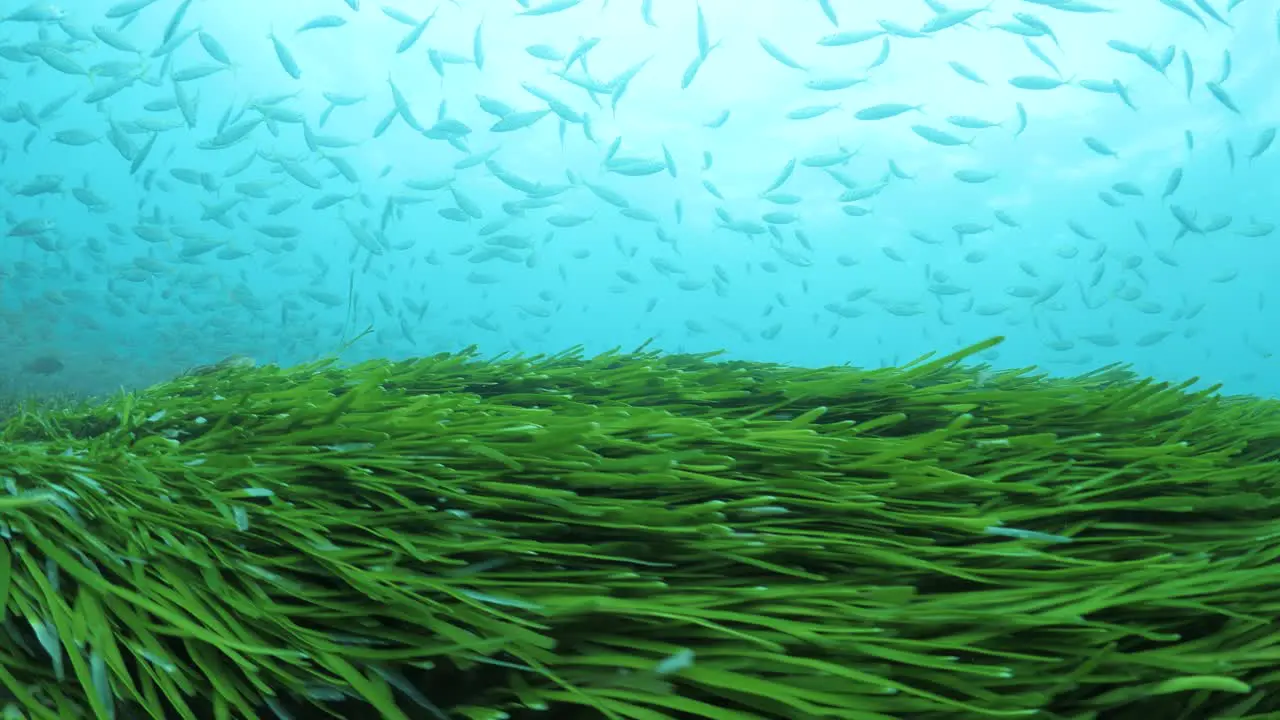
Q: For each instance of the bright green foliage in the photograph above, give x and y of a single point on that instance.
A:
(639, 536)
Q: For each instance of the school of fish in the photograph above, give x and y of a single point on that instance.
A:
(812, 181)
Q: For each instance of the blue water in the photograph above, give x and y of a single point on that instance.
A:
(173, 256)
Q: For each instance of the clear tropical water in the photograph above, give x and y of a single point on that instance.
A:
(789, 180)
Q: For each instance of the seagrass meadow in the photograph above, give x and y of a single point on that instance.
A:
(639, 536)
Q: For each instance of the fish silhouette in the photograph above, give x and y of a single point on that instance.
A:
(46, 365)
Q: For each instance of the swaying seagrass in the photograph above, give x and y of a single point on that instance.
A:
(642, 536)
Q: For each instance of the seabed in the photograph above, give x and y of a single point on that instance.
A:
(639, 536)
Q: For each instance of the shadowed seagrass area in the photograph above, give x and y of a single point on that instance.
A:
(642, 536)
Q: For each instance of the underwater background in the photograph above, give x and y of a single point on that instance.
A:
(804, 181)
(471, 360)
